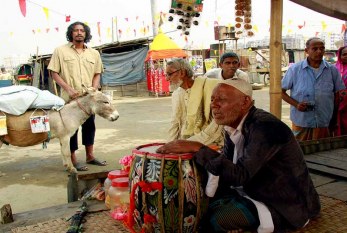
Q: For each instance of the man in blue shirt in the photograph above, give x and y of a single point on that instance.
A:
(313, 83)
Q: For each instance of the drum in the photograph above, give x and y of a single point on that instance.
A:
(166, 193)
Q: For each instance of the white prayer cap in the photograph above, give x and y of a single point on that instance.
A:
(240, 84)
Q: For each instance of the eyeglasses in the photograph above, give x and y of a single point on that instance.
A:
(169, 74)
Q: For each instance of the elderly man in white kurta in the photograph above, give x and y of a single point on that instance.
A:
(191, 118)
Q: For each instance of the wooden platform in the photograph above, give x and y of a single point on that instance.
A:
(328, 156)
(330, 162)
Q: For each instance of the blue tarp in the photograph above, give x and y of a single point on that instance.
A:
(124, 68)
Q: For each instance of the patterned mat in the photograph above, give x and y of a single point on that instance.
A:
(95, 222)
(333, 219)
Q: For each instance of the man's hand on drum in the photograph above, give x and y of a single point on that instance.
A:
(180, 146)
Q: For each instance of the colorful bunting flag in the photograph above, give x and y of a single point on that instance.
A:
(343, 28)
(99, 33)
(109, 35)
(324, 25)
(23, 7)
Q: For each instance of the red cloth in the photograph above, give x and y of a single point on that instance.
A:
(146, 188)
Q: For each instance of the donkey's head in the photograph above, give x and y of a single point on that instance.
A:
(100, 104)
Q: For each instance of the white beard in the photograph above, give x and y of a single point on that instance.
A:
(174, 86)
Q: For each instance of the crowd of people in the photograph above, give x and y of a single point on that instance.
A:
(255, 171)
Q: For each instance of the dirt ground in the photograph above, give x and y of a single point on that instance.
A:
(33, 178)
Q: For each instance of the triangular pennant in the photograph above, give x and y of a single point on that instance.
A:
(67, 18)
(23, 7)
(343, 28)
(57, 29)
(324, 25)
(46, 11)
(161, 22)
(255, 27)
(99, 33)
(109, 32)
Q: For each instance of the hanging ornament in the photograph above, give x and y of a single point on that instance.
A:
(243, 18)
(185, 12)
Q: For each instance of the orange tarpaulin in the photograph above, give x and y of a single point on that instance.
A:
(167, 53)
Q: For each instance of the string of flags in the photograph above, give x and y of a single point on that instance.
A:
(126, 28)
(22, 7)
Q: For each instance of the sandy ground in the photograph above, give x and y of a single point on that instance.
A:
(33, 178)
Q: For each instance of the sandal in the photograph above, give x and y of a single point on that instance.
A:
(97, 162)
(81, 168)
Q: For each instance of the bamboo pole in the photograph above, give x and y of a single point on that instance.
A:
(276, 57)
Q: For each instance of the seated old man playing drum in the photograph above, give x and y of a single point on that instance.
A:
(263, 180)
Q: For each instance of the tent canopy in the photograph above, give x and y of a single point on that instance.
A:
(163, 47)
(336, 8)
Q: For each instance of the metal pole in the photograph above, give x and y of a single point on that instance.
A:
(117, 28)
(112, 31)
(276, 57)
(153, 11)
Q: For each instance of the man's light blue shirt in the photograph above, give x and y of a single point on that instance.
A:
(316, 86)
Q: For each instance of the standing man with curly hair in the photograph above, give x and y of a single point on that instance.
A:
(73, 66)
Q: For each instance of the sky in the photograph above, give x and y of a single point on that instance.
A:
(44, 26)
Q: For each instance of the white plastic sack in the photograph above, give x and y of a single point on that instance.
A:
(16, 100)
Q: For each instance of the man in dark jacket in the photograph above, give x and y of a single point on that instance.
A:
(260, 181)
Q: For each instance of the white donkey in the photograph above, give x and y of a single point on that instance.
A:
(65, 122)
